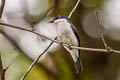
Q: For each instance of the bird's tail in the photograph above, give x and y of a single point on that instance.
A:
(78, 66)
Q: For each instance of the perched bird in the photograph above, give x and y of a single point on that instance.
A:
(67, 33)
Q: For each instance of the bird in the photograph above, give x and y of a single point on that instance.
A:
(68, 34)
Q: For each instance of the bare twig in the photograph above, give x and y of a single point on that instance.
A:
(73, 47)
(20, 28)
(2, 7)
(74, 9)
(100, 29)
(1, 66)
(2, 76)
(3, 70)
(96, 50)
(7, 66)
(35, 61)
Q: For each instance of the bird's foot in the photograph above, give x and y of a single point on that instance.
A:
(61, 43)
(69, 46)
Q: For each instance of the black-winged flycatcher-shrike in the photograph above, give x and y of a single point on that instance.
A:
(67, 33)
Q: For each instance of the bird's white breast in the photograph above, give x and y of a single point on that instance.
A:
(65, 33)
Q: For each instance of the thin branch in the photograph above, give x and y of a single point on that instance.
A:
(100, 29)
(2, 7)
(73, 47)
(2, 76)
(3, 70)
(1, 66)
(20, 28)
(96, 50)
(74, 9)
(35, 61)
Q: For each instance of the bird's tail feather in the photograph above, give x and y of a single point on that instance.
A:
(78, 66)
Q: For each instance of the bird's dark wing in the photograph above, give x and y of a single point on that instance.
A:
(77, 36)
(78, 64)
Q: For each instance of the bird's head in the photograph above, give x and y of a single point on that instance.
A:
(59, 18)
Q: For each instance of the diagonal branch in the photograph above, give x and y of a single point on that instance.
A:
(96, 50)
(16, 27)
(2, 7)
(3, 70)
(100, 29)
(74, 8)
(73, 47)
(1, 66)
(20, 28)
(35, 61)
(2, 76)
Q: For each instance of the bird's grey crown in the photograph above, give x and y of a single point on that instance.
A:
(62, 17)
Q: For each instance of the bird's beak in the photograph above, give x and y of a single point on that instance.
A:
(51, 21)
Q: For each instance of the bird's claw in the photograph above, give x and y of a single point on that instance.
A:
(61, 43)
(69, 46)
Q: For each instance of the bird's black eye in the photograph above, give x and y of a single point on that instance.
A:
(55, 18)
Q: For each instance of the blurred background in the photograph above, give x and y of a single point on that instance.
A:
(21, 47)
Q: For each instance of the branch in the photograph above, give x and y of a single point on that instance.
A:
(20, 28)
(74, 9)
(2, 7)
(100, 29)
(96, 50)
(3, 70)
(1, 66)
(73, 47)
(35, 61)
